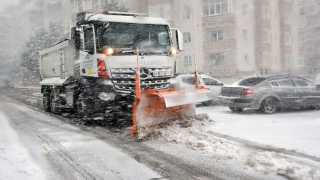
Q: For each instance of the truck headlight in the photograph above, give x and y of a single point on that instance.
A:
(106, 96)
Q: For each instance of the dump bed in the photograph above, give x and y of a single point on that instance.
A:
(58, 63)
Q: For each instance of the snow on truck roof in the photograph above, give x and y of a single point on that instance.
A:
(127, 19)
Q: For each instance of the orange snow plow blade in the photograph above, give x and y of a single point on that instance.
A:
(154, 108)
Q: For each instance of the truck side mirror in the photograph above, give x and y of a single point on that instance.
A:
(178, 38)
(75, 34)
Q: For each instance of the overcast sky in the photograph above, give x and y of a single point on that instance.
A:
(5, 3)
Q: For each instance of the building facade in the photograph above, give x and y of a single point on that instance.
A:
(230, 39)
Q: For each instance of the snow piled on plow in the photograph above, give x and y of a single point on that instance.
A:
(193, 134)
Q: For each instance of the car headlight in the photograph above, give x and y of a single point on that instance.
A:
(106, 96)
(174, 83)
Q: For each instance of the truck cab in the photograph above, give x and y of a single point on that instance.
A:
(96, 67)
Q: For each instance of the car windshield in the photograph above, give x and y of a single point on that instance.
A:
(251, 81)
(149, 38)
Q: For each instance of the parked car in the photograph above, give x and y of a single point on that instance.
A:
(268, 94)
(187, 81)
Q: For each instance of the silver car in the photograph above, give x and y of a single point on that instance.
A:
(268, 94)
(214, 85)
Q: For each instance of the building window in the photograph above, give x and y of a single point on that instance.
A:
(161, 13)
(288, 39)
(309, 49)
(187, 61)
(301, 61)
(103, 3)
(265, 14)
(310, 9)
(187, 37)
(217, 59)
(266, 58)
(318, 49)
(215, 7)
(301, 3)
(246, 58)
(265, 36)
(217, 35)
(244, 9)
(287, 19)
(186, 13)
(75, 5)
(245, 34)
(87, 4)
(288, 60)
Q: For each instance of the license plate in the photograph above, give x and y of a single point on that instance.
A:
(160, 73)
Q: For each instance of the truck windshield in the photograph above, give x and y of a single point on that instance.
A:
(126, 37)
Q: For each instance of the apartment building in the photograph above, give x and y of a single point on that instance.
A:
(309, 37)
(234, 39)
(230, 39)
(63, 12)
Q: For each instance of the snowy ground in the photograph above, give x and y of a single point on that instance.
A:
(13, 154)
(222, 136)
(291, 130)
(285, 131)
(17, 163)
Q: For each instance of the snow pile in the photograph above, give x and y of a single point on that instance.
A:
(193, 133)
(266, 162)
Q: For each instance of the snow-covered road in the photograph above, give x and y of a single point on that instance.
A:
(188, 149)
(291, 130)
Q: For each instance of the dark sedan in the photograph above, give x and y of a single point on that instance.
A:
(268, 94)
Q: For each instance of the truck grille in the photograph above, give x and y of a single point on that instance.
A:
(151, 78)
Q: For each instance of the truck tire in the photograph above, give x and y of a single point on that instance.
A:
(54, 105)
(46, 101)
(82, 108)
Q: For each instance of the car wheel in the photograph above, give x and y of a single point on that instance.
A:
(269, 105)
(54, 105)
(236, 109)
(46, 101)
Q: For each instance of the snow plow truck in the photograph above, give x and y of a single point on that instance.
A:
(118, 66)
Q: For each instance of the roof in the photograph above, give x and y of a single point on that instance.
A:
(127, 19)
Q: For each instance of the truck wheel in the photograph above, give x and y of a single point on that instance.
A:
(81, 108)
(54, 105)
(269, 105)
(46, 101)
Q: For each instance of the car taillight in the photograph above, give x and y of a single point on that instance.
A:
(247, 92)
(102, 69)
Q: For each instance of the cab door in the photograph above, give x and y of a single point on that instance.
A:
(88, 53)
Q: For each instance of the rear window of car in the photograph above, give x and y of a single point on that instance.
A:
(251, 81)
